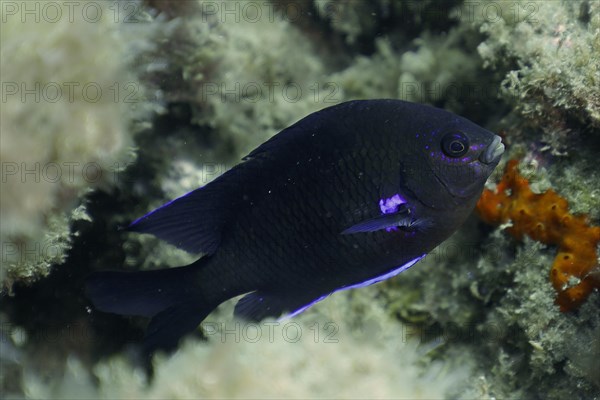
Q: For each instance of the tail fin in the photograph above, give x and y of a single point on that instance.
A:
(171, 297)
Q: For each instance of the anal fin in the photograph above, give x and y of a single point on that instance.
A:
(169, 326)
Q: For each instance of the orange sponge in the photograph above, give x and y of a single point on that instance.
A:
(545, 217)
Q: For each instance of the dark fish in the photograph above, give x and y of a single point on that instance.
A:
(346, 197)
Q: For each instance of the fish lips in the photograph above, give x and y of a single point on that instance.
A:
(494, 151)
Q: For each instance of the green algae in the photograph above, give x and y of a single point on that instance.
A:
(481, 299)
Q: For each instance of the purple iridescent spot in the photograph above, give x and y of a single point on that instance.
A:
(390, 205)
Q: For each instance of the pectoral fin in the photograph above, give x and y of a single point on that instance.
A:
(399, 219)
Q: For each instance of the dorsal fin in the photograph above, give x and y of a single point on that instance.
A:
(195, 221)
(186, 222)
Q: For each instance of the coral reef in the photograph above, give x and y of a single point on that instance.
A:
(359, 23)
(66, 121)
(551, 54)
(492, 301)
(431, 69)
(243, 79)
(545, 217)
(479, 304)
(272, 360)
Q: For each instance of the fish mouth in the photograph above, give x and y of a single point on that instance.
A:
(493, 152)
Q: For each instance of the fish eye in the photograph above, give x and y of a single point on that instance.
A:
(455, 144)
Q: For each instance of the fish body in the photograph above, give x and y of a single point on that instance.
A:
(346, 197)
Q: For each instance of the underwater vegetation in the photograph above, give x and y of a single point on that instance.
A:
(65, 129)
(545, 217)
(551, 54)
(215, 83)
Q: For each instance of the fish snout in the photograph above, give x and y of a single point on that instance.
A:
(493, 152)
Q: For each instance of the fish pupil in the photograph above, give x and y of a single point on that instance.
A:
(455, 144)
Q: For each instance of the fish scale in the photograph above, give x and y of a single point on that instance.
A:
(308, 213)
(344, 198)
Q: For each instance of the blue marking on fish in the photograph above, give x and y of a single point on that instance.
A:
(390, 205)
(368, 282)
